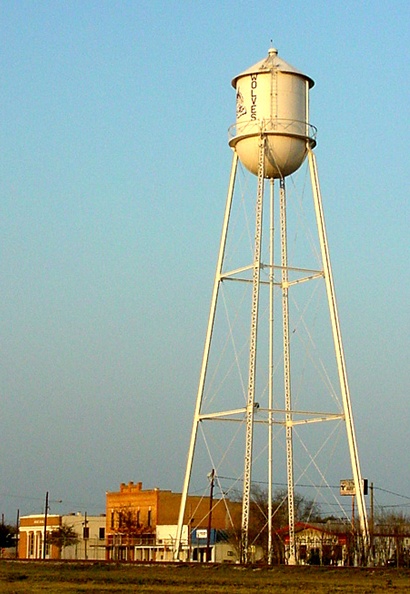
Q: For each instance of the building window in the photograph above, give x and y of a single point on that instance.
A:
(86, 532)
(101, 533)
(31, 544)
(149, 517)
(112, 521)
(39, 554)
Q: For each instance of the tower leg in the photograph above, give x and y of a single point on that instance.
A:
(252, 355)
(205, 357)
(287, 374)
(271, 366)
(340, 358)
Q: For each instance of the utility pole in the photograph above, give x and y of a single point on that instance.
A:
(45, 527)
(371, 519)
(85, 535)
(208, 534)
(17, 533)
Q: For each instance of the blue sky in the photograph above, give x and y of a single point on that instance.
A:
(113, 177)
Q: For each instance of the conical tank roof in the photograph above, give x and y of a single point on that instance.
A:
(272, 62)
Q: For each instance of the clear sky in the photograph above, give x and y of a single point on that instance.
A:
(113, 175)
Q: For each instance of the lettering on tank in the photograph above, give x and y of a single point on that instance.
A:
(254, 84)
(240, 105)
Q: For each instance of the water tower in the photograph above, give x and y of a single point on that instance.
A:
(276, 395)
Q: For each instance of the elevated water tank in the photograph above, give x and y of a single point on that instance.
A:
(272, 98)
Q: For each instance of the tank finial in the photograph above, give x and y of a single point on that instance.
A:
(272, 50)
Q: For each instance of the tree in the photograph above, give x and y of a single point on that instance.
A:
(390, 532)
(129, 523)
(62, 537)
(7, 536)
(130, 531)
(306, 510)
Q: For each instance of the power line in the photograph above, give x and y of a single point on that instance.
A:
(305, 485)
(392, 493)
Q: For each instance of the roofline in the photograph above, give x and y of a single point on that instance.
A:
(271, 63)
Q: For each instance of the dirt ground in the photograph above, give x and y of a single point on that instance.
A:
(28, 577)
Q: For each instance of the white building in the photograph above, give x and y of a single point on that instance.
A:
(90, 531)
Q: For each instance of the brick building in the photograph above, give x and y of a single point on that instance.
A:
(137, 520)
(31, 537)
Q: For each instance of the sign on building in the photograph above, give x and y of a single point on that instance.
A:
(201, 533)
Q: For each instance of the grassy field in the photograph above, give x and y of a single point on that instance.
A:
(18, 577)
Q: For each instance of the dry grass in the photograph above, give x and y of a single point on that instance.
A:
(18, 577)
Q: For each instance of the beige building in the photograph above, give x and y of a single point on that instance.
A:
(90, 531)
